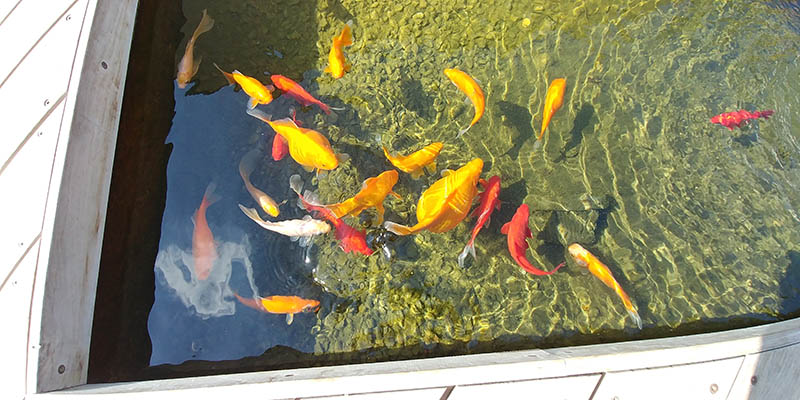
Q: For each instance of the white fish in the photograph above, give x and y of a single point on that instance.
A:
(303, 229)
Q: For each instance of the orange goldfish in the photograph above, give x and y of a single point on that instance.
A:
(308, 147)
(415, 162)
(466, 84)
(289, 305)
(373, 192)
(337, 65)
(443, 205)
(586, 259)
(204, 250)
(187, 67)
(258, 92)
(297, 92)
(552, 102)
(246, 166)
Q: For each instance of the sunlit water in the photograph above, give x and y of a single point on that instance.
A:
(698, 224)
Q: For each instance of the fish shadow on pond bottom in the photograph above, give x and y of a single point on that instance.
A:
(581, 122)
(789, 287)
(415, 98)
(519, 118)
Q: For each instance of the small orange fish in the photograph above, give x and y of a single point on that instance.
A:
(246, 167)
(415, 162)
(258, 92)
(586, 259)
(373, 191)
(443, 205)
(297, 92)
(552, 102)
(466, 84)
(204, 250)
(289, 305)
(337, 65)
(187, 68)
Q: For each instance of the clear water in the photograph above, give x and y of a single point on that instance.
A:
(698, 224)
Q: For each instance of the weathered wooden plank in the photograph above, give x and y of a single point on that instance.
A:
(39, 81)
(568, 388)
(423, 394)
(709, 380)
(773, 374)
(27, 25)
(6, 7)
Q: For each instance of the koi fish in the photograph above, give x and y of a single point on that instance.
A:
(297, 229)
(443, 205)
(518, 231)
(373, 191)
(488, 203)
(187, 68)
(297, 92)
(350, 239)
(279, 147)
(737, 118)
(466, 84)
(289, 305)
(204, 250)
(246, 167)
(308, 147)
(258, 92)
(586, 259)
(415, 162)
(337, 65)
(552, 102)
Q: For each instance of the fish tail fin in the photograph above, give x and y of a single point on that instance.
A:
(209, 197)
(431, 167)
(343, 208)
(765, 114)
(252, 214)
(463, 131)
(537, 145)
(296, 183)
(346, 37)
(325, 108)
(468, 249)
(206, 23)
(252, 303)
(256, 113)
(398, 229)
(228, 76)
(248, 163)
(635, 317)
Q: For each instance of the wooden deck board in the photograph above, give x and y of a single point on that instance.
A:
(568, 388)
(422, 394)
(774, 374)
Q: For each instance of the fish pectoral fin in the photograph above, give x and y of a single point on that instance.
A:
(446, 172)
(308, 168)
(252, 103)
(504, 229)
(396, 195)
(416, 174)
(431, 167)
(342, 157)
(289, 319)
(347, 67)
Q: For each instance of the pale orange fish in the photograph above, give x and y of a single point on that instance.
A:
(552, 102)
(258, 92)
(586, 259)
(466, 84)
(415, 162)
(246, 167)
(289, 305)
(204, 249)
(337, 65)
(187, 68)
(373, 191)
(443, 205)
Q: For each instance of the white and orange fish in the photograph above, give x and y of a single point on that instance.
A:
(246, 167)
(297, 229)
(204, 249)
(187, 68)
(466, 84)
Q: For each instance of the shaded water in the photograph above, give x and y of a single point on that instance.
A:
(697, 223)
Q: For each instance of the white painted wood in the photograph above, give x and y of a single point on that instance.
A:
(776, 372)
(425, 394)
(66, 280)
(20, 32)
(26, 179)
(39, 82)
(6, 6)
(569, 388)
(709, 380)
(15, 301)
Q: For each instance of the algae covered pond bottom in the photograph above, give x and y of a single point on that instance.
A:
(697, 223)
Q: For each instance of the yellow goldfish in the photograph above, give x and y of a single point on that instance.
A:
(246, 166)
(337, 65)
(187, 67)
(415, 162)
(308, 147)
(443, 205)
(586, 259)
(258, 92)
(466, 84)
(552, 102)
(373, 192)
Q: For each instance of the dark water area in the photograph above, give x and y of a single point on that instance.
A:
(698, 224)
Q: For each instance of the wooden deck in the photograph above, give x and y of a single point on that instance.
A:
(60, 93)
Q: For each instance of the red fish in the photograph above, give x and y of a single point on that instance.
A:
(294, 89)
(280, 148)
(350, 239)
(737, 118)
(517, 230)
(204, 249)
(488, 203)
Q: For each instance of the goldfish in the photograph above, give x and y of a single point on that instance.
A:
(297, 229)
(350, 239)
(297, 92)
(552, 102)
(246, 166)
(518, 231)
(415, 162)
(373, 191)
(258, 92)
(466, 84)
(586, 259)
(307, 147)
(187, 68)
(488, 203)
(289, 305)
(737, 118)
(204, 249)
(443, 205)
(337, 65)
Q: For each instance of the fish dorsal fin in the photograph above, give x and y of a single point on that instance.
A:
(289, 318)
(504, 229)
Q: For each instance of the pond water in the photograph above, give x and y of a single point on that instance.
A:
(697, 223)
